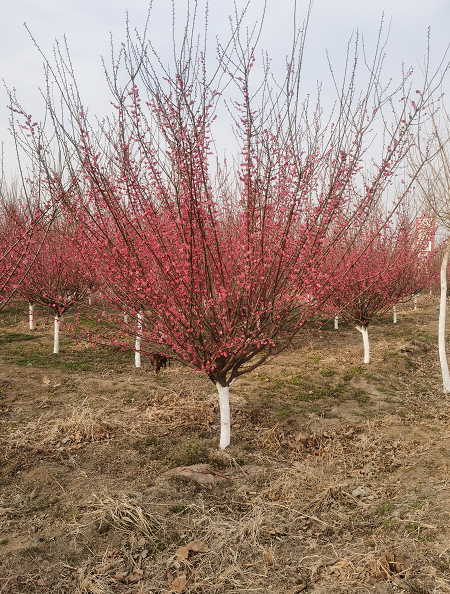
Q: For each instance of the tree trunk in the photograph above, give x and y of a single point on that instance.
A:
(415, 303)
(31, 315)
(336, 322)
(442, 314)
(137, 346)
(56, 337)
(125, 318)
(224, 405)
(365, 335)
(394, 309)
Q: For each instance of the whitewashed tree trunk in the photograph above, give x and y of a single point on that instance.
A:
(125, 318)
(442, 315)
(224, 406)
(336, 322)
(56, 336)
(394, 309)
(137, 346)
(415, 303)
(31, 315)
(365, 335)
(90, 300)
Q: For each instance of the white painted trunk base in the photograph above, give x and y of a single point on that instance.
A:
(365, 335)
(224, 406)
(90, 300)
(336, 322)
(442, 315)
(56, 336)
(125, 318)
(137, 346)
(31, 315)
(415, 303)
(394, 309)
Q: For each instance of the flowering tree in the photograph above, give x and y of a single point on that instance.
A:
(374, 270)
(58, 276)
(216, 263)
(22, 229)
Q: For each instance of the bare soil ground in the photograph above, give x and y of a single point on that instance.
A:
(337, 479)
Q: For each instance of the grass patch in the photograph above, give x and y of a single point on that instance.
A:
(14, 337)
(187, 454)
(389, 524)
(312, 391)
(385, 508)
(284, 412)
(178, 509)
(360, 396)
(351, 373)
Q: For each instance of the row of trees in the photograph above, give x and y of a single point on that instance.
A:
(220, 265)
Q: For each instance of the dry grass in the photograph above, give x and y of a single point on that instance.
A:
(353, 498)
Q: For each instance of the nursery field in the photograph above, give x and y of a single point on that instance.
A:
(337, 479)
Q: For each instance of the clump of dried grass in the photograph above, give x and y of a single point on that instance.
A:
(126, 515)
(87, 583)
(180, 409)
(84, 424)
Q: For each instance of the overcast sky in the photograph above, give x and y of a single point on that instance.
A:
(88, 24)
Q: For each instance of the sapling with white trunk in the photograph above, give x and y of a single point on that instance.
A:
(57, 277)
(375, 270)
(137, 344)
(31, 315)
(442, 319)
(56, 335)
(365, 335)
(225, 417)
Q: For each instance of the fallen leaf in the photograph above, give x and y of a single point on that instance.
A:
(274, 496)
(298, 589)
(105, 568)
(301, 436)
(121, 577)
(206, 475)
(137, 575)
(40, 582)
(178, 585)
(197, 546)
(45, 380)
(182, 553)
(34, 493)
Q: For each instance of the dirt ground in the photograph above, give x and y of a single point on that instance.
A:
(337, 479)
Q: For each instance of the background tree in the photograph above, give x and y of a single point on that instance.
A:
(376, 269)
(23, 225)
(434, 185)
(58, 276)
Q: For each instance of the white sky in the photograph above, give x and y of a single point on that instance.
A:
(88, 23)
